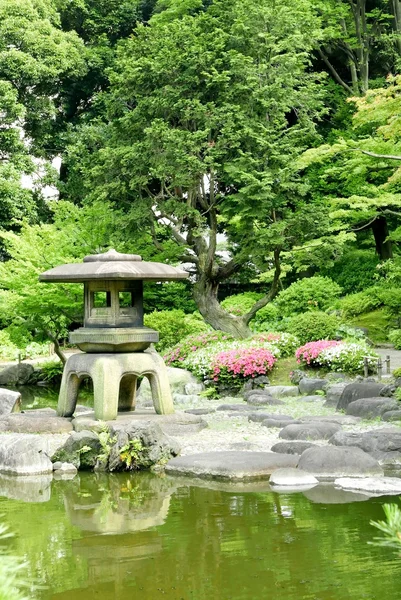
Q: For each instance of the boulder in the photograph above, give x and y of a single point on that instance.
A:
(339, 419)
(392, 415)
(309, 431)
(292, 447)
(263, 392)
(309, 385)
(81, 449)
(383, 440)
(233, 407)
(178, 378)
(10, 402)
(200, 411)
(379, 486)
(265, 400)
(330, 462)
(334, 392)
(292, 477)
(32, 423)
(370, 408)
(355, 391)
(138, 445)
(296, 375)
(278, 423)
(66, 468)
(230, 465)
(313, 398)
(28, 454)
(283, 391)
(184, 399)
(18, 374)
(193, 389)
(258, 417)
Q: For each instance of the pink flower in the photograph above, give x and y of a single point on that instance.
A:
(309, 353)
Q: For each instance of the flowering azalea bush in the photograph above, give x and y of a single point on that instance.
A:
(285, 342)
(345, 356)
(178, 353)
(309, 354)
(239, 364)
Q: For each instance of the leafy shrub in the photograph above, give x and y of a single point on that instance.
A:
(168, 295)
(174, 325)
(312, 293)
(312, 326)
(337, 356)
(348, 277)
(397, 373)
(361, 302)
(8, 350)
(266, 318)
(285, 342)
(309, 354)
(391, 299)
(178, 353)
(349, 333)
(51, 371)
(236, 366)
(395, 338)
(239, 304)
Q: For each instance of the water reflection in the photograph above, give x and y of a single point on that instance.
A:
(28, 489)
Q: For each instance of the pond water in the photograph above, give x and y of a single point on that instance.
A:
(112, 537)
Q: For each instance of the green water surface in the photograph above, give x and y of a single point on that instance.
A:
(147, 537)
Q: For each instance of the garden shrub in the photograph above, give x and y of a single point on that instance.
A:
(353, 279)
(285, 342)
(51, 371)
(361, 302)
(395, 338)
(234, 367)
(8, 350)
(309, 294)
(350, 333)
(397, 373)
(178, 353)
(173, 325)
(347, 357)
(266, 318)
(240, 304)
(312, 326)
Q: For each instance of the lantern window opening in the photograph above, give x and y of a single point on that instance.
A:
(101, 299)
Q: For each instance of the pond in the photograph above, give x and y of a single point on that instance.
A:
(112, 537)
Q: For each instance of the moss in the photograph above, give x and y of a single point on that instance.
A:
(280, 374)
(376, 322)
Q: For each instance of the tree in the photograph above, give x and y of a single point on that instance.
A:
(206, 113)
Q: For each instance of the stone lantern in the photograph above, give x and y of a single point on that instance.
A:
(113, 339)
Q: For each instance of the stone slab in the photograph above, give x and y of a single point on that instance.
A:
(29, 422)
(230, 465)
(28, 454)
(380, 486)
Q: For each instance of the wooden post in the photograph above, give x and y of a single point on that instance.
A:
(388, 364)
(365, 366)
(379, 368)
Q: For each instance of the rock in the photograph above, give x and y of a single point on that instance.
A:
(18, 374)
(339, 419)
(296, 375)
(260, 381)
(314, 398)
(81, 449)
(390, 461)
(383, 440)
(258, 417)
(292, 447)
(66, 468)
(337, 377)
(185, 399)
(257, 400)
(193, 389)
(392, 415)
(57, 465)
(200, 411)
(330, 462)
(256, 392)
(370, 408)
(30, 488)
(39, 412)
(355, 391)
(334, 392)
(10, 402)
(292, 477)
(282, 391)
(233, 407)
(28, 454)
(139, 446)
(328, 494)
(309, 431)
(277, 423)
(388, 390)
(178, 379)
(28, 422)
(230, 465)
(308, 385)
(379, 486)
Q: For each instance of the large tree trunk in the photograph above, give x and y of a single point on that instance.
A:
(205, 294)
(380, 232)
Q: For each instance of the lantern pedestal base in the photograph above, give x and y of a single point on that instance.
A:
(114, 379)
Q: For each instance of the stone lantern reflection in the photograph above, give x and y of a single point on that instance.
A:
(113, 339)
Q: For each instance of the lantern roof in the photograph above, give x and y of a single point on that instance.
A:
(112, 266)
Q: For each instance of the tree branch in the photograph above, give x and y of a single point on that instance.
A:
(390, 156)
(333, 71)
(272, 292)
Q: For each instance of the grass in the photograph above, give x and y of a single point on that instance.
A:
(280, 375)
(376, 322)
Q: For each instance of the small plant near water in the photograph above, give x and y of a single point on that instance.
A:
(130, 454)
(106, 442)
(13, 581)
(391, 528)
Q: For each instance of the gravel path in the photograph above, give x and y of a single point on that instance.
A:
(395, 357)
(237, 433)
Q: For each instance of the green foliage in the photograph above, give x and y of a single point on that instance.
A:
(167, 296)
(13, 583)
(173, 326)
(361, 302)
(352, 279)
(390, 528)
(131, 455)
(397, 372)
(51, 371)
(312, 326)
(395, 338)
(376, 322)
(266, 318)
(191, 343)
(239, 304)
(309, 294)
